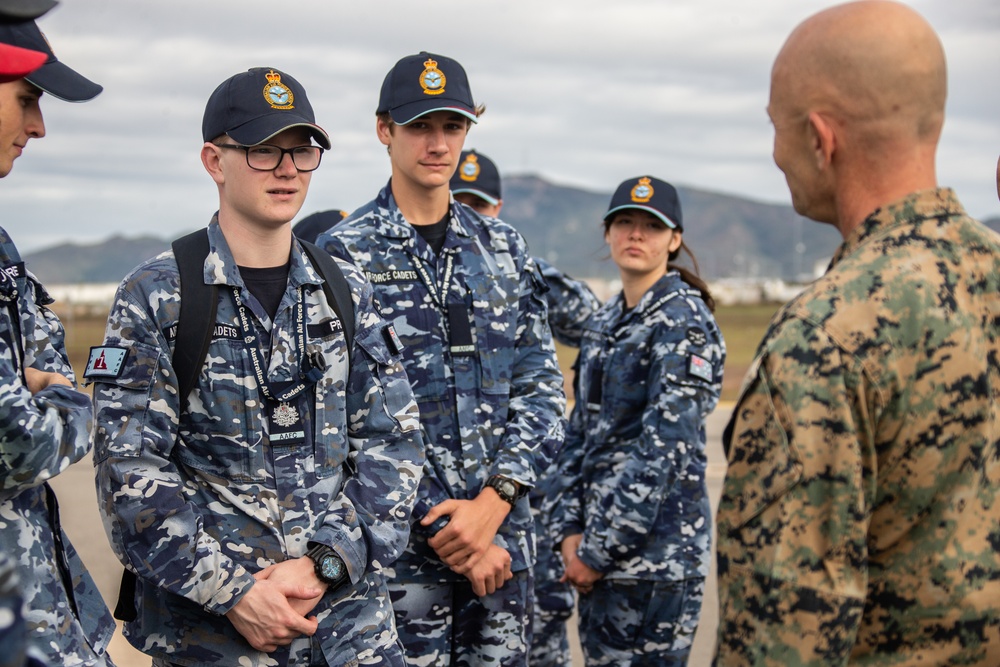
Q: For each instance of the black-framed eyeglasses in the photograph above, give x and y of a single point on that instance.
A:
(265, 157)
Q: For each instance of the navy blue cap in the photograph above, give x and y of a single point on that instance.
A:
(649, 194)
(425, 82)
(253, 106)
(53, 77)
(310, 227)
(477, 175)
(21, 10)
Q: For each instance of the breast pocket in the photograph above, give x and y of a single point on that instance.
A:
(330, 425)
(495, 308)
(221, 432)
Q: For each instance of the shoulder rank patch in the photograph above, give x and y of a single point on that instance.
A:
(392, 340)
(700, 367)
(105, 361)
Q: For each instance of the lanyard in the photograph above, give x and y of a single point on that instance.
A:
(425, 275)
(310, 370)
(456, 315)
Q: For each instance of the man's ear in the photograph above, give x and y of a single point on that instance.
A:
(211, 157)
(384, 132)
(823, 139)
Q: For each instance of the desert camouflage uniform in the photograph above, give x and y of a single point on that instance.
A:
(570, 303)
(494, 407)
(43, 434)
(197, 504)
(860, 517)
(632, 473)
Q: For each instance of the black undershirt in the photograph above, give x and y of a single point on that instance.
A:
(267, 285)
(436, 233)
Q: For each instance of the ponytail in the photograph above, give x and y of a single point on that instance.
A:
(692, 278)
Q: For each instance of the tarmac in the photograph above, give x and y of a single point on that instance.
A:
(78, 504)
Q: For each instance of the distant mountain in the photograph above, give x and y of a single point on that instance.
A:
(730, 236)
(105, 262)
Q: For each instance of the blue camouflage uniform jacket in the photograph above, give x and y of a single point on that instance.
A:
(42, 435)
(632, 469)
(196, 502)
(478, 352)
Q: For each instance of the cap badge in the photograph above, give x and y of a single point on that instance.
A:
(469, 171)
(277, 94)
(643, 191)
(432, 79)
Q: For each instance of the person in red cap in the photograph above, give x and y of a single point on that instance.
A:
(44, 421)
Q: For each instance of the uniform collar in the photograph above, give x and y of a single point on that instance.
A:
(913, 208)
(394, 225)
(221, 268)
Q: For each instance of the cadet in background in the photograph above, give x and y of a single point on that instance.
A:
(630, 511)
(477, 184)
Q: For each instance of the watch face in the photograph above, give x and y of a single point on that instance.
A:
(333, 567)
(508, 488)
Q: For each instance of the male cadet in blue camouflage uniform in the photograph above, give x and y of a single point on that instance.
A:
(860, 516)
(45, 422)
(260, 513)
(468, 304)
(477, 184)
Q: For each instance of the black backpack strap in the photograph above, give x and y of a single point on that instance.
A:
(195, 325)
(338, 292)
(199, 303)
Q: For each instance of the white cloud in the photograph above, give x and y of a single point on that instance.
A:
(584, 92)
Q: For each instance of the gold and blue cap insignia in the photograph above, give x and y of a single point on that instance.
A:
(649, 194)
(478, 175)
(423, 83)
(254, 106)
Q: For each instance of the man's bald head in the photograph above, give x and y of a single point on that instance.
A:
(876, 65)
(857, 102)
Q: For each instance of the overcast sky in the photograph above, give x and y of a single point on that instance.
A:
(584, 93)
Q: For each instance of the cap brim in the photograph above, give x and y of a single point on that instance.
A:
(66, 84)
(16, 63)
(652, 211)
(259, 130)
(492, 201)
(407, 113)
(25, 9)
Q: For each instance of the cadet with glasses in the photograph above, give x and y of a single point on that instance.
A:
(260, 509)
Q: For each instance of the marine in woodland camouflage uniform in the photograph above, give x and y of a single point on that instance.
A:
(632, 469)
(202, 501)
(477, 183)
(64, 620)
(860, 516)
(478, 352)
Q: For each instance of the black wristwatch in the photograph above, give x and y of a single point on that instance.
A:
(329, 566)
(506, 488)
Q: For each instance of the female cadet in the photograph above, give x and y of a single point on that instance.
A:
(631, 513)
